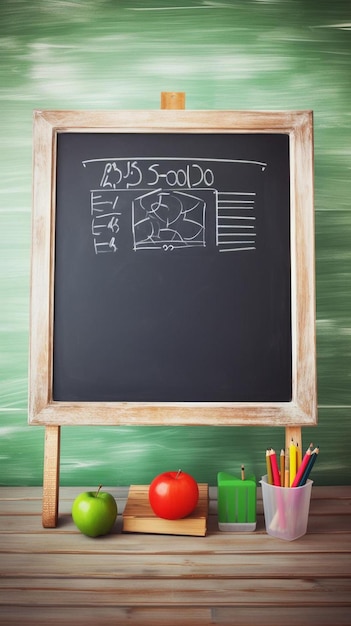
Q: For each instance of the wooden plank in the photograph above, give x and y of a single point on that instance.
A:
(194, 616)
(324, 524)
(331, 493)
(293, 615)
(170, 592)
(33, 506)
(66, 493)
(333, 518)
(227, 543)
(176, 566)
(102, 616)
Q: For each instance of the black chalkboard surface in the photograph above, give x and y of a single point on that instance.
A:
(172, 274)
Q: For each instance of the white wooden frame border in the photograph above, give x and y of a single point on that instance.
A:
(302, 410)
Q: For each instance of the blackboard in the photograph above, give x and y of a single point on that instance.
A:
(172, 268)
(178, 261)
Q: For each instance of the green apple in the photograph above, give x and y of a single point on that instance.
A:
(94, 512)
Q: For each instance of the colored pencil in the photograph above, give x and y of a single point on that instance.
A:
(287, 475)
(302, 467)
(298, 456)
(291, 472)
(310, 464)
(275, 469)
(282, 468)
(269, 468)
(292, 462)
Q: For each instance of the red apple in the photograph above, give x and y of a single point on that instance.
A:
(173, 495)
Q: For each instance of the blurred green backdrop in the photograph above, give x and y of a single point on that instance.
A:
(112, 54)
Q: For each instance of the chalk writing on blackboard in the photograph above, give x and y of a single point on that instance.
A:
(168, 220)
(167, 204)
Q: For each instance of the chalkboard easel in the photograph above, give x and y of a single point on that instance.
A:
(172, 272)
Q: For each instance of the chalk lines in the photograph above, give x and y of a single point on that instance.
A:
(235, 219)
(170, 203)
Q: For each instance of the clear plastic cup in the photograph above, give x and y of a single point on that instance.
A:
(286, 509)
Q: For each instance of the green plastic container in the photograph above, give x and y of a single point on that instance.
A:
(236, 503)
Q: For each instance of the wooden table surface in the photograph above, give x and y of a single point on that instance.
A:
(59, 576)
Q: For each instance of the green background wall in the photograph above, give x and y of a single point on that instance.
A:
(111, 54)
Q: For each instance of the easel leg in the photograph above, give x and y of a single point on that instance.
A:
(293, 432)
(51, 476)
(172, 100)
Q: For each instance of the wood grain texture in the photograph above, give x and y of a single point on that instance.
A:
(172, 100)
(51, 475)
(60, 576)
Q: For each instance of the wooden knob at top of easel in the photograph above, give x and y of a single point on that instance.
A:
(172, 100)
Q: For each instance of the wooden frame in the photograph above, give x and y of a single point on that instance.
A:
(302, 410)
